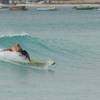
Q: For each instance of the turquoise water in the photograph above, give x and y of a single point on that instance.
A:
(69, 37)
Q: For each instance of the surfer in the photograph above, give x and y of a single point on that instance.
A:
(18, 48)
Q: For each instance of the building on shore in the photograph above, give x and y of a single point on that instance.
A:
(15, 1)
(4, 1)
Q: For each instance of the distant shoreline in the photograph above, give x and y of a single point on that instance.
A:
(34, 5)
(57, 5)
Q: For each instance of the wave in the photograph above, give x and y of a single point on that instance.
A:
(44, 49)
(37, 47)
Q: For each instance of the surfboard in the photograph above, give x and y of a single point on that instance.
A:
(36, 64)
(15, 58)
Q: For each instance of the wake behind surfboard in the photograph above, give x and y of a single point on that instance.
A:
(15, 58)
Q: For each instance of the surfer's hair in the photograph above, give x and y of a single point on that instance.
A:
(17, 44)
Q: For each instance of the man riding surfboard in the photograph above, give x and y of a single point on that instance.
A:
(18, 48)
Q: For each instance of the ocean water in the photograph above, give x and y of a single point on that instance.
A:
(69, 37)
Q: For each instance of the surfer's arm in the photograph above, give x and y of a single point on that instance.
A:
(8, 49)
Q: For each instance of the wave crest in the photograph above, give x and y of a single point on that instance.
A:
(13, 35)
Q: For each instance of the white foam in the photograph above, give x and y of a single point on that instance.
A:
(11, 56)
(15, 34)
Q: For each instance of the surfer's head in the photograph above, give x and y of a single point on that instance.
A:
(18, 47)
